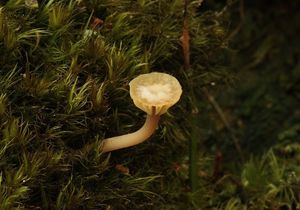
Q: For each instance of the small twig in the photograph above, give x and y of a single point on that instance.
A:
(186, 37)
(220, 112)
(193, 140)
(242, 17)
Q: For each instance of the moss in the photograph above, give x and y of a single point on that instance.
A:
(65, 69)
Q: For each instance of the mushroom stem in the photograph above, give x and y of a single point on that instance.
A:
(131, 139)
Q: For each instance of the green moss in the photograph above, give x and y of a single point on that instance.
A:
(65, 69)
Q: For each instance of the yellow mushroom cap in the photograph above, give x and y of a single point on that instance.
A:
(155, 90)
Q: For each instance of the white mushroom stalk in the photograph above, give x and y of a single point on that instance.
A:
(131, 139)
(153, 93)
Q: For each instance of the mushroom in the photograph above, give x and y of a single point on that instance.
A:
(154, 93)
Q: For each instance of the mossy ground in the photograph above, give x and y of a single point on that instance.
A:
(65, 69)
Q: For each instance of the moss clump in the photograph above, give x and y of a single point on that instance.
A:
(65, 68)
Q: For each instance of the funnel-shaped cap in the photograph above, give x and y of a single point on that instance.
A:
(155, 92)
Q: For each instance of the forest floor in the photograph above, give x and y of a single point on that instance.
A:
(261, 107)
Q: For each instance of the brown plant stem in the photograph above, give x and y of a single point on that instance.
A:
(186, 37)
(220, 112)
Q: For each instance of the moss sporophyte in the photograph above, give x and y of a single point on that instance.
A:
(154, 93)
